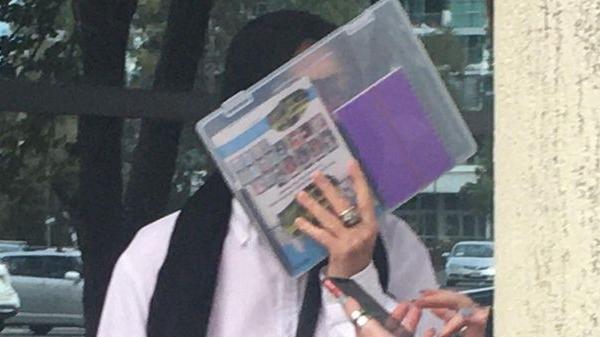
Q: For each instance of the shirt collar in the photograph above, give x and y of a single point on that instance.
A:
(239, 223)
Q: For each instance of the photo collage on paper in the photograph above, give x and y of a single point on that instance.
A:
(265, 165)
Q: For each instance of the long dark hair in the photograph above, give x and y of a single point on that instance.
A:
(183, 296)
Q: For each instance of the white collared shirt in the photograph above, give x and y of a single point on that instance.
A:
(254, 297)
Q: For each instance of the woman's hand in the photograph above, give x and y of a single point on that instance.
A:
(402, 323)
(459, 312)
(350, 247)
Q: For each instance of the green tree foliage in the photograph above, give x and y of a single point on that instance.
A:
(36, 161)
(41, 45)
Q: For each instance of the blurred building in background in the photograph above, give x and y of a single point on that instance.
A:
(441, 214)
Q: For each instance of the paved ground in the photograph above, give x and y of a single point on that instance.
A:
(58, 332)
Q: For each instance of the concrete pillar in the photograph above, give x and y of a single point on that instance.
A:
(547, 132)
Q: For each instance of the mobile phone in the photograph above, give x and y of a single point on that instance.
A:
(368, 303)
(370, 306)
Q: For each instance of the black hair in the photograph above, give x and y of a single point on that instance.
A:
(265, 44)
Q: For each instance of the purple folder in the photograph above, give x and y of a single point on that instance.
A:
(394, 140)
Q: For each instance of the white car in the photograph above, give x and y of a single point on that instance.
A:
(50, 287)
(11, 245)
(470, 261)
(9, 300)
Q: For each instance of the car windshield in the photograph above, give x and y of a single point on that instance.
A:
(473, 250)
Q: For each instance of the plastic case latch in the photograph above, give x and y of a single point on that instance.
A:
(236, 102)
(359, 23)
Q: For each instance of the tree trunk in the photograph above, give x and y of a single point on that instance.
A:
(106, 225)
(156, 153)
(104, 26)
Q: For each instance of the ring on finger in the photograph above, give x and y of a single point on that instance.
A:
(356, 314)
(361, 320)
(350, 216)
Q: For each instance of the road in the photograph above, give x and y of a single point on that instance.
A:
(58, 332)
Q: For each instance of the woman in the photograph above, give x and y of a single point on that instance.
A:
(205, 271)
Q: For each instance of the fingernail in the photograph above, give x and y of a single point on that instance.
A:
(400, 311)
(335, 291)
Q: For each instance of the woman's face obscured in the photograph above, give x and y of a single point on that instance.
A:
(326, 72)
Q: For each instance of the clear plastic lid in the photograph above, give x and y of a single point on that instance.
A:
(360, 53)
(375, 62)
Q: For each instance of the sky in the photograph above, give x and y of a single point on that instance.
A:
(4, 29)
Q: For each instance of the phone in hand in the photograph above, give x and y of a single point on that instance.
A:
(368, 303)
(371, 307)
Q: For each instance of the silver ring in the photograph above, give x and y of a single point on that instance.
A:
(361, 320)
(354, 315)
(350, 216)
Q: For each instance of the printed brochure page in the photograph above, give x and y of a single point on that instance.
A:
(272, 151)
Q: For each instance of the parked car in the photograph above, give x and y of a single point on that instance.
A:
(11, 246)
(470, 261)
(50, 286)
(9, 300)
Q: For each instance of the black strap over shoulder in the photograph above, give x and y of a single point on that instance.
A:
(183, 296)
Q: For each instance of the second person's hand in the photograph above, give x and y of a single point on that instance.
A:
(458, 311)
(405, 319)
